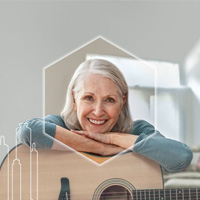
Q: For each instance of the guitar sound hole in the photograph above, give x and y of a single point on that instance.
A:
(115, 192)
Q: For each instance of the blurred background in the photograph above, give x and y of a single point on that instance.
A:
(166, 34)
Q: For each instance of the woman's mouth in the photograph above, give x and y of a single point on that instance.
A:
(97, 122)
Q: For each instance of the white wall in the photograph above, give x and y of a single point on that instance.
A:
(34, 34)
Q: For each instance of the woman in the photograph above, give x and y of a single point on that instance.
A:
(96, 119)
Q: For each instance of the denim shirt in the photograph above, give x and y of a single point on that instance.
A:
(172, 155)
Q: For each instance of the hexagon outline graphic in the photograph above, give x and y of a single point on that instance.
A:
(95, 46)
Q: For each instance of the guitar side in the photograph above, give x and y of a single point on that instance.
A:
(87, 179)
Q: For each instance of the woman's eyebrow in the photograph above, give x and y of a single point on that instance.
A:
(109, 95)
(89, 93)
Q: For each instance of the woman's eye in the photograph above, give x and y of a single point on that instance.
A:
(110, 100)
(89, 98)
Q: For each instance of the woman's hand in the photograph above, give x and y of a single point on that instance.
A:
(81, 143)
(123, 140)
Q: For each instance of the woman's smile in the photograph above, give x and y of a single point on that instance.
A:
(97, 122)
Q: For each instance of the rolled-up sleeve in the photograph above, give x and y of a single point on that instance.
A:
(172, 155)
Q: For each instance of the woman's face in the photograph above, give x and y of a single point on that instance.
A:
(98, 104)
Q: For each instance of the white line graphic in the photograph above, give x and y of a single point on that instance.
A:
(33, 174)
(3, 144)
(18, 170)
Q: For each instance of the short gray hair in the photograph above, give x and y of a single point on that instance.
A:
(108, 70)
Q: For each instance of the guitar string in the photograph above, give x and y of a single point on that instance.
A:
(142, 194)
(192, 191)
(147, 195)
(138, 197)
(157, 193)
(162, 192)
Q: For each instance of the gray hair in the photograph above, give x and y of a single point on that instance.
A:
(108, 70)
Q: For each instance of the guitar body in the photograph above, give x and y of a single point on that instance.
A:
(37, 175)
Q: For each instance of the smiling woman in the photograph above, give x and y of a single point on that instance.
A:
(96, 119)
(101, 82)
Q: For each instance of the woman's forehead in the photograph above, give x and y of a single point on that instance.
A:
(98, 84)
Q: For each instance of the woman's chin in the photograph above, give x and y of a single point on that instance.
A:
(98, 130)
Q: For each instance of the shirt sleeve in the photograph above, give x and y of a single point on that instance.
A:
(172, 155)
(39, 131)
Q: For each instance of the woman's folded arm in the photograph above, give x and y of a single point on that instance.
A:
(170, 154)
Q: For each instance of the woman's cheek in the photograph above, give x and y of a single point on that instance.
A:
(85, 109)
(115, 111)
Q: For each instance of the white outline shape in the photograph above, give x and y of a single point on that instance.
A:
(2, 138)
(13, 163)
(33, 149)
(20, 174)
(78, 48)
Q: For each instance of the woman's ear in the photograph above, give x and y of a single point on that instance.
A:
(124, 99)
(74, 101)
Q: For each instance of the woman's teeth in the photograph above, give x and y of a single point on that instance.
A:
(97, 121)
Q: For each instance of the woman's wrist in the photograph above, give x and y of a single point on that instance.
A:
(124, 140)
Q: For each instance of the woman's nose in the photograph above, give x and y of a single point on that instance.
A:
(98, 109)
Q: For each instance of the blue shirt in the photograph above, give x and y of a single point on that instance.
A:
(172, 155)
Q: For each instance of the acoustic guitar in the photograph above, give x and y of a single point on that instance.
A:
(30, 174)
